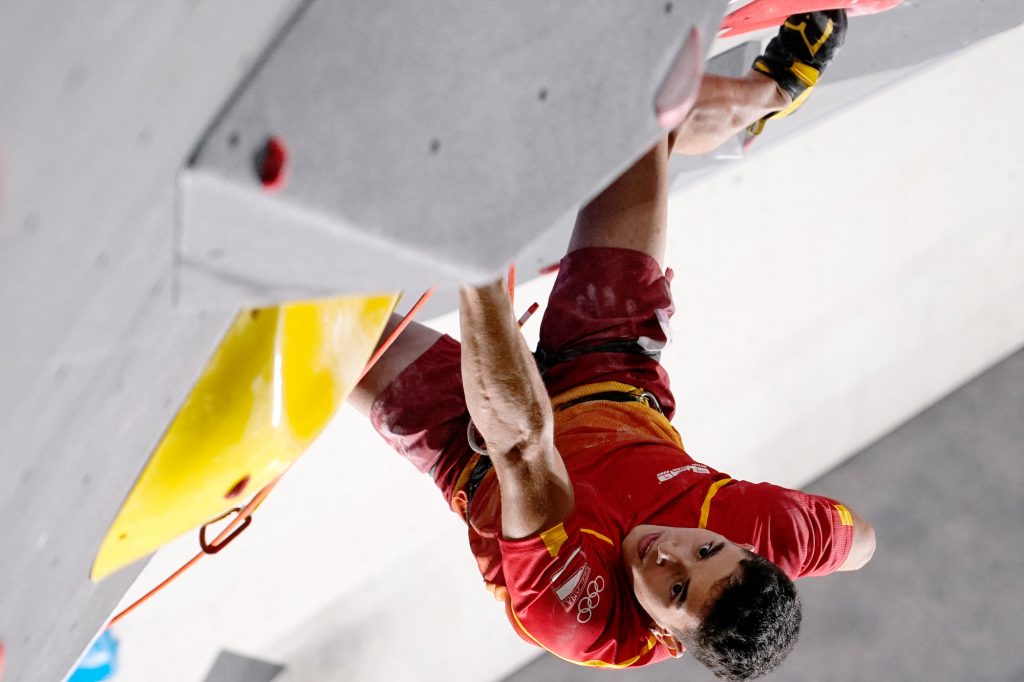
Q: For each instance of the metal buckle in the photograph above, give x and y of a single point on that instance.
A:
(475, 445)
(649, 399)
(209, 548)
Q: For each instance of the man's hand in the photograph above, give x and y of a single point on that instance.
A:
(511, 409)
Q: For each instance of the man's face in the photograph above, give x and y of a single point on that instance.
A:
(674, 569)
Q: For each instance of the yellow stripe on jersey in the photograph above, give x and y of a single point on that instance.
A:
(844, 515)
(598, 535)
(554, 538)
(705, 508)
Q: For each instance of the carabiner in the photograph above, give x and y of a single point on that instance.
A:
(212, 548)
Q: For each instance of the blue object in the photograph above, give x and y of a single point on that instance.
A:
(100, 663)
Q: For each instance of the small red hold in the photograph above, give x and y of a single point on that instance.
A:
(763, 14)
(271, 162)
(237, 489)
(1, 660)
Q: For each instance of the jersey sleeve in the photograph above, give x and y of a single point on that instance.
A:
(569, 596)
(805, 535)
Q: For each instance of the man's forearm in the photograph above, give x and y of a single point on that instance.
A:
(510, 408)
(504, 392)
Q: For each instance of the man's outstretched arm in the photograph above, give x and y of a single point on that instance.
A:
(511, 409)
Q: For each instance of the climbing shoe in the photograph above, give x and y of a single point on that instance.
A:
(798, 55)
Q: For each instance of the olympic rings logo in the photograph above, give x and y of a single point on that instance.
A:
(585, 607)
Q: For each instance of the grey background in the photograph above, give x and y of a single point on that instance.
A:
(942, 598)
(232, 667)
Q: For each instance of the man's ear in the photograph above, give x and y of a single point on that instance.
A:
(749, 548)
(668, 640)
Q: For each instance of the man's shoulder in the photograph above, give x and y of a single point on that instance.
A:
(803, 533)
(570, 594)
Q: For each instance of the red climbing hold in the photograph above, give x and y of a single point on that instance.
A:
(238, 488)
(761, 14)
(271, 163)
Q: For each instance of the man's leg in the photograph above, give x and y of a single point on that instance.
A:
(632, 212)
(608, 311)
(414, 399)
(411, 344)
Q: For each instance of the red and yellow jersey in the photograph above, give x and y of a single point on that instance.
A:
(567, 590)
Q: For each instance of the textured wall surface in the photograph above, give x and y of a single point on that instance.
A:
(429, 143)
(100, 103)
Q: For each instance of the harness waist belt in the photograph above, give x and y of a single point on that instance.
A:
(546, 360)
(646, 398)
(483, 464)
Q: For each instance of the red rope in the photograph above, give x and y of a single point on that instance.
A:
(397, 331)
(239, 523)
(142, 600)
(244, 515)
(512, 282)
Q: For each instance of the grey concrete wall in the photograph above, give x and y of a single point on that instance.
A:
(429, 143)
(100, 103)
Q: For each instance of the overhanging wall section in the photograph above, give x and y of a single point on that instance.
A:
(428, 143)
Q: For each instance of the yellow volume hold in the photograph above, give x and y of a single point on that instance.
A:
(271, 386)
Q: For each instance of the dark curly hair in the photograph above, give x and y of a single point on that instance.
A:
(751, 626)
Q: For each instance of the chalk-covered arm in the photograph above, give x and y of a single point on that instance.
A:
(510, 408)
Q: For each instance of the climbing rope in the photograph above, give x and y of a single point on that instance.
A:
(243, 516)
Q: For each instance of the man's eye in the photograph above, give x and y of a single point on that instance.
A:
(705, 550)
(676, 589)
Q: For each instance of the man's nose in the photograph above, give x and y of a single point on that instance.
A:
(666, 556)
